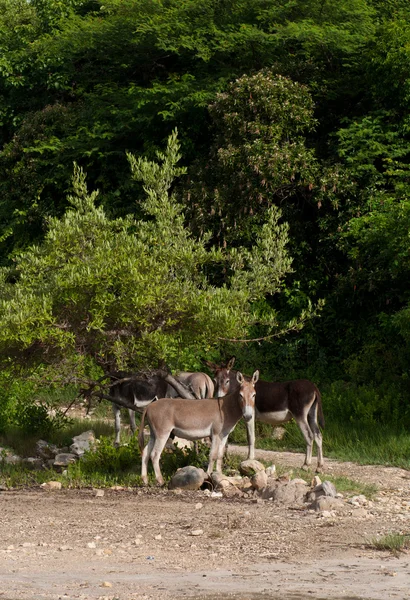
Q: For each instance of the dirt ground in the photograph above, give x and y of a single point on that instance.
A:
(137, 544)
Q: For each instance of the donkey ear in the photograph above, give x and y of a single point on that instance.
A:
(255, 377)
(231, 363)
(239, 378)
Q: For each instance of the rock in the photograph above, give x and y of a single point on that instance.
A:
(323, 489)
(99, 493)
(220, 480)
(250, 467)
(259, 480)
(91, 545)
(46, 450)
(271, 471)
(63, 460)
(33, 463)
(181, 443)
(286, 492)
(316, 481)
(327, 503)
(106, 584)
(278, 433)
(196, 532)
(82, 442)
(51, 485)
(13, 459)
(198, 505)
(232, 492)
(188, 478)
(158, 537)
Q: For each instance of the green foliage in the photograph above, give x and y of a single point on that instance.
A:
(259, 156)
(123, 292)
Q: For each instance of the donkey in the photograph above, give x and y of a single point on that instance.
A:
(141, 391)
(214, 418)
(278, 403)
(200, 384)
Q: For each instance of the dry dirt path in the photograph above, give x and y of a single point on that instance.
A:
(132, 545)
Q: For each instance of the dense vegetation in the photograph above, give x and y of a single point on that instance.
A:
(288, 211)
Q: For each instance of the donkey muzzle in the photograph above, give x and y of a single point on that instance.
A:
(248, 414)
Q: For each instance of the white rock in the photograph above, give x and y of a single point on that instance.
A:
(51, 485)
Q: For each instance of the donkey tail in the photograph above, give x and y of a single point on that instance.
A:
(141, 432)
(321, 417)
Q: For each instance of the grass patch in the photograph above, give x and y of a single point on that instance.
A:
(393, 542)
(25, 445)
(371, 445)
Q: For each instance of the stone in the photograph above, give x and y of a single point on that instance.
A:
(286, 492)
(99, 493)
(198, 505)
(91, 545)
(271, 471)
(181, 443)
(106, 584)
(33, 463)
(51, 485)
(259, 480)
(278, 433)
(250, 467)
(220, 480)
(316, 481)
(13, 459)
(63, 460)
(82, 442)
(196, 532)
(46, 450)
(188, 478)
(323, 489)
(327, 503)
(232, 492)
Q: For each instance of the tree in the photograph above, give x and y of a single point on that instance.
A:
(124, 292)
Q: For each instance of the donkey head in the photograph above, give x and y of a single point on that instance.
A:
(247, 394)
(223, 377)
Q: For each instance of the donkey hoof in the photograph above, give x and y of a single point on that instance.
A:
(305, 467)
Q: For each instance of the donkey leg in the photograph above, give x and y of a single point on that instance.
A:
(213, 453)
(132, 421)
(146, 454)
(221, 452)
(250, 432)
(317, 435)
(308, 435)
(159, 445)
(117, 424)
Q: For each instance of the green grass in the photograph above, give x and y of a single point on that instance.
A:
(25, 445)
(372, 445)
(393, 542)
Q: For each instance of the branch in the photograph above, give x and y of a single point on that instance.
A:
(294, 327)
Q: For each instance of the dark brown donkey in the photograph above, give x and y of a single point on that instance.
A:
(140, 391)
(277, 403)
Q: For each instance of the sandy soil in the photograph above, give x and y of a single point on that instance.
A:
(136, 544)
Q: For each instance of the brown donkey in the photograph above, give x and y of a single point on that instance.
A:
(277, 403)
(194, 420)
